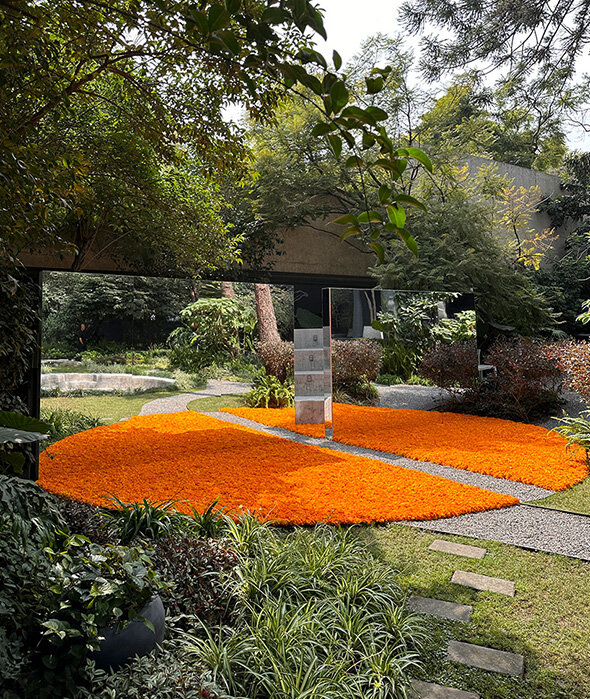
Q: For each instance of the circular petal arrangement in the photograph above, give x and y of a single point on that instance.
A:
(198, 458)
(500, 448)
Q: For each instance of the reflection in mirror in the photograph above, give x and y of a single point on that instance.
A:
(401, 349)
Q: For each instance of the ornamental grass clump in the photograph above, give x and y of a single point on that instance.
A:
(321, 617)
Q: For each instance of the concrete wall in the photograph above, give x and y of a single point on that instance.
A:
(104, 382)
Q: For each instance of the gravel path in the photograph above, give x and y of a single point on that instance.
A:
(497, 485)
(414, 397)
(175, 404)
(523, 525)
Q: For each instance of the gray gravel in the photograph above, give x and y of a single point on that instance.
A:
(175, 404)
(413, 397)
(523, 525)
(496, 485)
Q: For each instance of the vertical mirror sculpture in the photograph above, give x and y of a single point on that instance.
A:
(427, 341)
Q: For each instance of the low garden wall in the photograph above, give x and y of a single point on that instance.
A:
(103, 382)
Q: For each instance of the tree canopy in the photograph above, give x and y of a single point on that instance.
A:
(163, 71)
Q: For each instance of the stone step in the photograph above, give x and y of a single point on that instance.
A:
(457, 549)
(484, 582)
(428, 690)
(439, 608)
(486, 658)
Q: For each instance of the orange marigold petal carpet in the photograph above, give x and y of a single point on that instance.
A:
(198, 458)
(501, 448)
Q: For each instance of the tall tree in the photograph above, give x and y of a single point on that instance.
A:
(265, 312)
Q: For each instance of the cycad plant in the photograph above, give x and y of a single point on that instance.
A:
(576, 430)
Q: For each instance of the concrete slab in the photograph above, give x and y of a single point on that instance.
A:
(428, 690)
(439, 608)
(486, 658)
(484, 582)
(457, 549)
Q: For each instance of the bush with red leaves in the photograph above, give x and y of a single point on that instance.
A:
(573, 358)
(197, 570)
(528, 379)
(451, 366)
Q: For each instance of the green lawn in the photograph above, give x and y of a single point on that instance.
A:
(215, 403)
(110, 408)
(547, 621)
(575, 499)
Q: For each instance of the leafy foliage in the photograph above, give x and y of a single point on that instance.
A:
(64, 422)
(269, 392)
(56, 591)
(143, 519)
(212, 329)
(322, 617)
(576, 430)
(573, 358)
(355, 363)
(526, 384)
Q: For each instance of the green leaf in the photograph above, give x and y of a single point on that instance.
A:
(14, 459)
(368, 140)
(335, 144)
(274, 15)
(359, 114)
(354, 161)
(374, 85)
(322, 128)
(409, 241)
(370, 215)
(376, 113)
(379, 251)
(218, 18)
(345, 220)
(385, 193)
(233, 6)
(411, 201)
(420, 156)
(349, 232)
(337, 60)
(397, 216)
(339, 95)
(229, 41)
(200, 19)
(17, 421)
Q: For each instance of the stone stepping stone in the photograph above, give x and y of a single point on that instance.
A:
(428, 690)
(439, 608)
(486, 658)
(484, 582)
(457, 549)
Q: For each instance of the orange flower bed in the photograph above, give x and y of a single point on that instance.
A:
(198, 458)
(501, 448)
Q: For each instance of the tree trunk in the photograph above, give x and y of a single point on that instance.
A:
(227, 290)
(267, 322)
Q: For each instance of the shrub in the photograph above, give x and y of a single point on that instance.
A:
(394, 380)
(573, 358)
(451, 366)
(86, 519)
(270, 392)
(321, 616)
(195, 568)
(144, 519)
(65, 422)
(212, 329)
(526, 385)
(461, 328)
(355, 363)
(56, 591)
(277, 358)
(576, 430)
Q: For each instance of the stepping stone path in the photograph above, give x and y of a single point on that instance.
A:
(427, 690)
(436, 607)
(486, 658)
(469, 654)
(484, 582)
(457, 549)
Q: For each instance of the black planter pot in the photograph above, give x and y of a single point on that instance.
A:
(120, 646)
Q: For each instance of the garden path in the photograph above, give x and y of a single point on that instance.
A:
(175, 404)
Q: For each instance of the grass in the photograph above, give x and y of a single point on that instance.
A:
(110, 408)
(574, 499)
(214, 404)
(547, 620)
